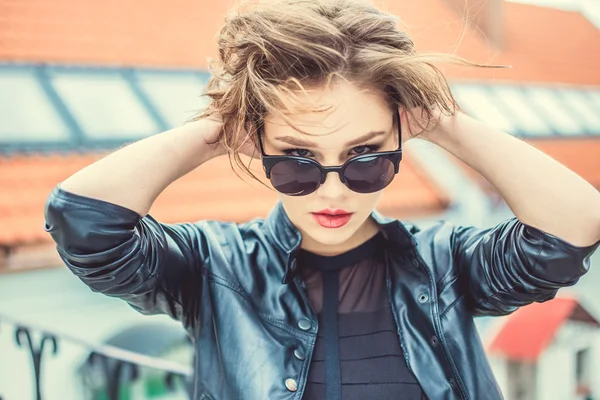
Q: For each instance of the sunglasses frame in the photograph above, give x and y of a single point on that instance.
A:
(395, 156)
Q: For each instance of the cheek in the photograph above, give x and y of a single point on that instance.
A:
(365, 203)
(293, 205)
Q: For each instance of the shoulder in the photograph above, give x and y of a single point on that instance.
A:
(434, 244)
(229, 234)
(234, 243)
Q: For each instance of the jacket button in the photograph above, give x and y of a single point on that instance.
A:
(299, 354)
(291, 385)
(423, 298)
(434, 341)
(304, 324)
(452, 383)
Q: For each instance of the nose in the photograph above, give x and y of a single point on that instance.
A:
(332, 188)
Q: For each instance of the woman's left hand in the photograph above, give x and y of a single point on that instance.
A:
(417, 123)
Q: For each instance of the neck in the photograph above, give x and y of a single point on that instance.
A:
(367, 230)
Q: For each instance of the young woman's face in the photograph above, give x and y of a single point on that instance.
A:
(355, 122)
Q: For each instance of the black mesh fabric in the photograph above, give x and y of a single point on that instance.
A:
(368, 362)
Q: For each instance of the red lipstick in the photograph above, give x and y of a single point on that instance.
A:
(332, 218)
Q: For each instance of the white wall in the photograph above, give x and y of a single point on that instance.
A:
(500, 370)
(596, 367)
(556, 368)
(554, 382)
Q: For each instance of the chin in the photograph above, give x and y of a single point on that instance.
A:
(329, 236)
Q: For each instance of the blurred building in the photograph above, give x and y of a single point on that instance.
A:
(80, 78)
(528, 347)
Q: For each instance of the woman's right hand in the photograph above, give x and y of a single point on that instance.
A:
(136, 174)
(211, 127)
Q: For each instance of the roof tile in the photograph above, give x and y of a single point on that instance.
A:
(581, 155)
(527, 333)
(158, 34)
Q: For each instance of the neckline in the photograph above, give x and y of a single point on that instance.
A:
(369, 249)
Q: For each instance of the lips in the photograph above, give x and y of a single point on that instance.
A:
(332, 218)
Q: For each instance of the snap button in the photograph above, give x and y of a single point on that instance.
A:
(434, 341)
(291, 384)
(299, 354)
(304, 324)
(415, 263)
(423, 298)
(452, 383)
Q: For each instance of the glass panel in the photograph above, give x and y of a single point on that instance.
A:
(555, 112)
(177, 96)
(26, 113)
(104, 105)
(582, 108)
(595, 96)
(526, 117)
(478, 103)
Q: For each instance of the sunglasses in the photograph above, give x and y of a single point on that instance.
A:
(365, 173)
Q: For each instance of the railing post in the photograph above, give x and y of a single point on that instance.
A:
(23, 337)
(115, 365)
(170, 383)
(113, 371)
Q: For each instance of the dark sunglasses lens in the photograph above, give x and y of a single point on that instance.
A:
(295, 177)
(369, 174)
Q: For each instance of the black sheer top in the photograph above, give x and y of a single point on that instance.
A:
(358, 354)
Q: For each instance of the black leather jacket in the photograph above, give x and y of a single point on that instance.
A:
(236, 291)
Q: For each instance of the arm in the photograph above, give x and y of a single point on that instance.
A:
(98, 220)
(135, 175)
(540, 191)
(548, 245)
(513, 264)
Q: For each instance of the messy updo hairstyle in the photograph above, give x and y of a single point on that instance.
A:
(269, 51)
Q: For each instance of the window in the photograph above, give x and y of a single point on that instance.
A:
(177, 96)
(582, 368)
(582, 108)
(556, 113)
(595, 100)
(104, 105)
(26, 112)
(518, 104)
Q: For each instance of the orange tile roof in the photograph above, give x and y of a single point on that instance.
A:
(534, 47)
(143, 33)
(212, 191)
(531, 329)
(581, 155)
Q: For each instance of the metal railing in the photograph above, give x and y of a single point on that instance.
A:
(111, 360)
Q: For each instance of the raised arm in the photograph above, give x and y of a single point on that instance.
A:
(135, 175)
(538, 189)
(549, 243)
(97, 218)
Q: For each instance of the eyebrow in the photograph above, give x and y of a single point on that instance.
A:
(294, 141)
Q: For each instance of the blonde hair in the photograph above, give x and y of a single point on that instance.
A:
(269, 51)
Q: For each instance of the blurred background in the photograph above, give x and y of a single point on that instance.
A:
(79, 78)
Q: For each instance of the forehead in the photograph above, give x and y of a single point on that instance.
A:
(333, 115)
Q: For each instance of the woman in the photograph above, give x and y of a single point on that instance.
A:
(325, 298)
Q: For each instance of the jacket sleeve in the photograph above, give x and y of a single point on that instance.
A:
(514, 264)
(155, 267)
